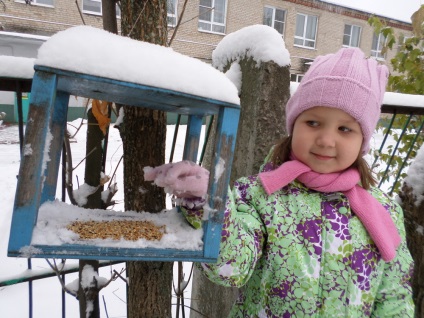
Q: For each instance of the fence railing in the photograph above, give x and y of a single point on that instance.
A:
(410, 108)
(406, 138)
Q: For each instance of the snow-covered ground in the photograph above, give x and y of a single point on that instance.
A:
(47, 292)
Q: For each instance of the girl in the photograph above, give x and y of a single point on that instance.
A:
(310, 236)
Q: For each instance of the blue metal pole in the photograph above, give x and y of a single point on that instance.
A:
(30, 291)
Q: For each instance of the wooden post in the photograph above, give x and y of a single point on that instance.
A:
(264, 94)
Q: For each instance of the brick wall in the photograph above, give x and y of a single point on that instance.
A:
(42, 20)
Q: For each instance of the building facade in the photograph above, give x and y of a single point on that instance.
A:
(309, 27)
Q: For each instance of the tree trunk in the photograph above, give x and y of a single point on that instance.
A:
(89, 297)
(265, 92)
(143, 133)
(94, 151)
(414, 225)
(109, 16)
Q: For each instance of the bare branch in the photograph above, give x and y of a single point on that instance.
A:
(80, 12)
(196, 16)
(139, 15)
(114, 172)
(83, 159)
(112, 191)
(112, 278)
(69, 170)
(82, 119)
(58, 273)
(191, 308)
(118, 296)
(120, 276)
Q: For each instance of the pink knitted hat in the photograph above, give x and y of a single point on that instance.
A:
(345, 80)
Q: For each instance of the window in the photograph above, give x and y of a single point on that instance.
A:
(377, 45)
(275, 18)
(92, 6)
(172, 12)
(306, 30)
(352, 34)
(212, 15)
(43, 2)
(95, 7)
(296, 77)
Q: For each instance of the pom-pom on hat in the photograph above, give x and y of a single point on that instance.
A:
(346, 80)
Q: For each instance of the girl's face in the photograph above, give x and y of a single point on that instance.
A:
(326, 139)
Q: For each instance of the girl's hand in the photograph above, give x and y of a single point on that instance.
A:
(184, 179)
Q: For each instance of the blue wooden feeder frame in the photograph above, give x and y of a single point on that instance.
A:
(37, 180)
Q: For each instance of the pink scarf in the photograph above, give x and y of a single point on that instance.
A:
(372, 214)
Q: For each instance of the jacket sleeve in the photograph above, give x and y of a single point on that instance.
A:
(394, 298)
(241, 242)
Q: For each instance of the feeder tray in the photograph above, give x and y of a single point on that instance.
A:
(47, 119)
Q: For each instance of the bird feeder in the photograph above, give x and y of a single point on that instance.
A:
(47, 119)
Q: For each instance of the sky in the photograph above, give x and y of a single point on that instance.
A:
(397, 9)
(60, 51)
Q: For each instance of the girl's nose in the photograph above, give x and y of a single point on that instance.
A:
(326, 139)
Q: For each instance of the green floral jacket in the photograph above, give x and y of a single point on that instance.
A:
(301, 253)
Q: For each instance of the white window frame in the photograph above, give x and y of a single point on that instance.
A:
(273, 20)
(90, 11)
(350, 35)
(303, 38)
(37, 2)
(297, 77)
(172, 16)
(211, 24)
(379, 40)
(99, 12)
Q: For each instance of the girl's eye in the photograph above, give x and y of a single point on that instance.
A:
(312, 123)
(345, 129)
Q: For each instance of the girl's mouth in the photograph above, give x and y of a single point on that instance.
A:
(322, 157)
